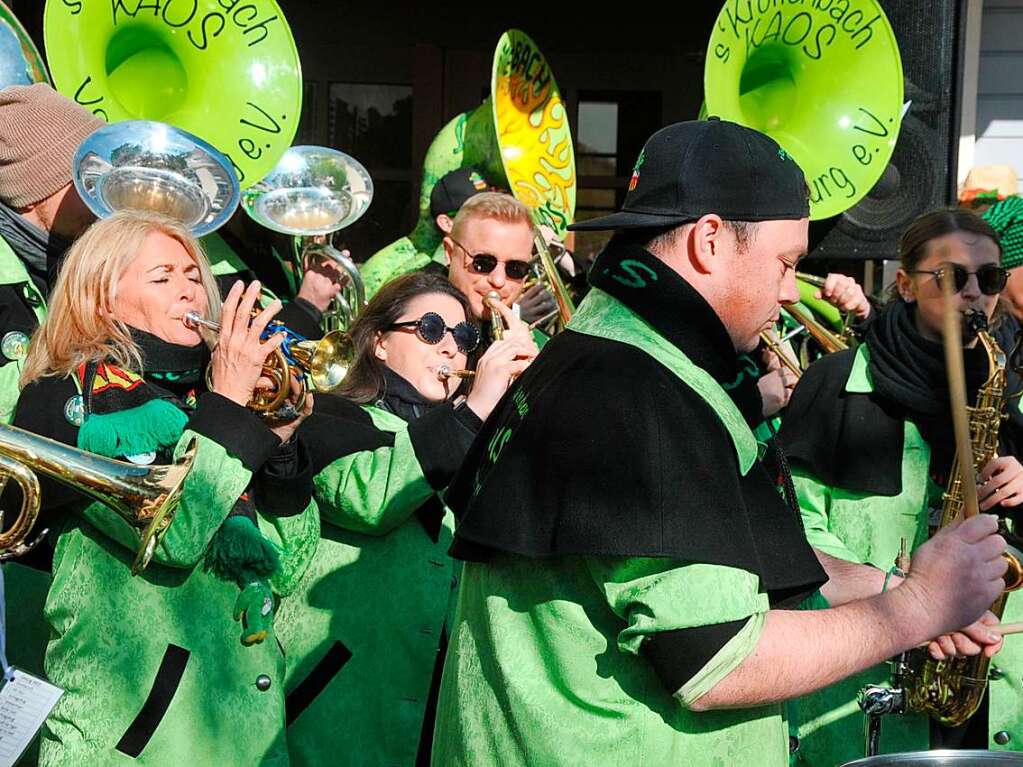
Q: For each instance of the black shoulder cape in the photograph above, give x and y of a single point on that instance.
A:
(601, 450)
(848, 440)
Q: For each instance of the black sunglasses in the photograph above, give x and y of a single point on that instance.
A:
(431, 329)
(991, 278)
(484, 263)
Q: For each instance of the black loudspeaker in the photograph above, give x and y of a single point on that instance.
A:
(922, 173)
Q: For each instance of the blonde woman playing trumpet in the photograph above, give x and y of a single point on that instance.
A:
(153, 667)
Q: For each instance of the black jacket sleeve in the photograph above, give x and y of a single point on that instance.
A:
(240, 431)
(302, 317)
(40, 410)
(284, 486)
(441, 439)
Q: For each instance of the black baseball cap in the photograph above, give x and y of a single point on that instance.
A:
(690, 169)
(454, 188)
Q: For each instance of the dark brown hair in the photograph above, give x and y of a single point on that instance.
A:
(931, 226)
(365, 379)
(938, 223)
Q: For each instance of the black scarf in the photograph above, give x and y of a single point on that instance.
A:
(171, 372)
(683, 317)
(908, 370)
(400, 397)
(855, 441)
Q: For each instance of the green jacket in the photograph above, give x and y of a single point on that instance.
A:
(545, 666)
(362, 631)
(13, 272)
(868, 529)
(153, 663)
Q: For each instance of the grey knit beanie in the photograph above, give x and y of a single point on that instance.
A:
(40, 130)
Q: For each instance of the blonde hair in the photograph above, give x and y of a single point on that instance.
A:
(493, 205)
(79, 327)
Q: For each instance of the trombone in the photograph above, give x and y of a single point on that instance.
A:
(146, 497)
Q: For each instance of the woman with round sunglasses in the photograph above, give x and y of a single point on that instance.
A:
(364, 633)
(869, 436)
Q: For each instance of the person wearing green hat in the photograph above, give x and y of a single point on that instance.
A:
(634, 562)
(1006, 218)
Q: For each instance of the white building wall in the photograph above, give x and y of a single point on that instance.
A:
(999, 115)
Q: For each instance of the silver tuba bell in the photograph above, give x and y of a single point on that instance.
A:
(313, 192)
(153, 166)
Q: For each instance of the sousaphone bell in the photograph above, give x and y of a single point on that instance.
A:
(152, 166)
(313, 192)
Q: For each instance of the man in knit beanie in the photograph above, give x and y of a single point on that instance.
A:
(40, 212)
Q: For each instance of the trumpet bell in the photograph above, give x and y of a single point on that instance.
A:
(824, 82)
(311, 191)
(145, 497)
(326, 360)
(146, 165)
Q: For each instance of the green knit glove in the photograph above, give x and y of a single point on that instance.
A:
(255, 609)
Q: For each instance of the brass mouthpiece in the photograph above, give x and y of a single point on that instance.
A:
(444, 372)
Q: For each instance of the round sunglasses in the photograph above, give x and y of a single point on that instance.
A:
(484, 263)
(991, 278)
(431, 329)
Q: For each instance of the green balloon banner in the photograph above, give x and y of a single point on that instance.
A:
(226, 70)
(822, 77)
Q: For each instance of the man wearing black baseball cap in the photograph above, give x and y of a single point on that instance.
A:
(632, 569)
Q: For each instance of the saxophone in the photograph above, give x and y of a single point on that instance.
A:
(950, 691)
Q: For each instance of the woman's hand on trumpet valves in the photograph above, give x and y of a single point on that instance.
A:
(239, 354)
(502, 363)
(285, 430)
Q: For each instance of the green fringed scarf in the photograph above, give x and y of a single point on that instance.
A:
(128, 416)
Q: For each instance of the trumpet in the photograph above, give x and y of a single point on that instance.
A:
(325, 362)
(496, 322)
(779, 351)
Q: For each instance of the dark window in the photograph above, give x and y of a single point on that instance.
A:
(611, 128)
(372, 122)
